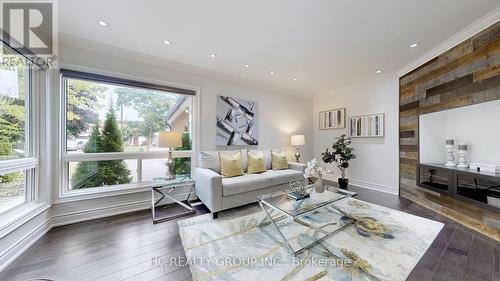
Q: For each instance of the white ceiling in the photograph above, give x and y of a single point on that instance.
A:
(325, 44)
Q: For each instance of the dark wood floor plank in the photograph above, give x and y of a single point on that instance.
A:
(122, 248)
(115, 276)
(94, 252)
(480, 260)
(451, 266)
(71, 243)
(109, 252)
(418, 210)
(178, 275)
(496, 263)
(119, 263)
(424, 270)
(147, 265)
(468, 277)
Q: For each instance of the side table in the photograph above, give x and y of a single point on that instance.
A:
(162, 188)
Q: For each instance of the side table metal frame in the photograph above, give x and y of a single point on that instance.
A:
(164, 192)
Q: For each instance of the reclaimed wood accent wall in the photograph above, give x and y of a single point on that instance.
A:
(467, 74)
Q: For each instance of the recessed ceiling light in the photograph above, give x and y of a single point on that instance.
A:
(213, 55)
(247, 65)
(102, 23)
(414, 45)
(378, 71)
(294, 79)
(271, 73)
(166, 42)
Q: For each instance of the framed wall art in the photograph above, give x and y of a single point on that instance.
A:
(366, 126)
(332, 119)
(237, 122)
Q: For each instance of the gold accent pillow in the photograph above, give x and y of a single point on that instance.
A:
(230, 165)
(279, 160)
(256, 162)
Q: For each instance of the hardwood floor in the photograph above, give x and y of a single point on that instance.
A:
(122, 248)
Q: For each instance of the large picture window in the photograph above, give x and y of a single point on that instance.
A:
(112, 127)
(18, 159)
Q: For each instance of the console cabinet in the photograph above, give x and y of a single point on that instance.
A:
(436, 179)
(479, 188)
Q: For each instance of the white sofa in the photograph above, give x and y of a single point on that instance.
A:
(219, 193)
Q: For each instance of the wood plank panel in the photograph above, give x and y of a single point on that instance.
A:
(454, 103)
(481, 53)
(409, 155)
(450, 86)
(407, 113)
(407, 134)
(467, 74)
(487, 72)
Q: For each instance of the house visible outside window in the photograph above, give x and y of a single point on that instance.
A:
(111, 130)
(18, 154)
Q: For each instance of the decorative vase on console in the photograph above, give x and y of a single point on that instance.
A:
(313, 170)
(462, 154)
(319, 185)
(450, 158)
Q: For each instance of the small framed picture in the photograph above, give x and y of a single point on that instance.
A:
(332, 119)
(366, 126)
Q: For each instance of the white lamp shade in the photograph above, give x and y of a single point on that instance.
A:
(170, 139)
(298, 140)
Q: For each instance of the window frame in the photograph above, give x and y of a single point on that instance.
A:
(30, 164)
(66, 194)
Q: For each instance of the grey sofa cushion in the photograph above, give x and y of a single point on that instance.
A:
(245, 183)
(284, 176)
(251, 182)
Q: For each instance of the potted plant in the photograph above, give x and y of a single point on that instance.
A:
(341, 155)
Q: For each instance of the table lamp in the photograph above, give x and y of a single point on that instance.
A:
(171, 140)
(298, 140)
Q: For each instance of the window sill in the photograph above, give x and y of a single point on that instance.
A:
(100, 192)
(13, 219)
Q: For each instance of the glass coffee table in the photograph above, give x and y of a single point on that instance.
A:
(287, 219)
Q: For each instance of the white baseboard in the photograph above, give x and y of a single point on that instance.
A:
(9, 255)
(367, 185)
(23, 244)
(98, 213)
(375, 186)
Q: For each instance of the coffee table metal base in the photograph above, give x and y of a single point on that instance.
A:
(269, 220)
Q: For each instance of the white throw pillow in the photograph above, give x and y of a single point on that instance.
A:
(210, 159)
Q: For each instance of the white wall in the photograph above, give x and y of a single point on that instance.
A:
(376, 165)
(280, 116)
(477, 125)
(432, 136)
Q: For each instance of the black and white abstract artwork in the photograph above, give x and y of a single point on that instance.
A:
(367, 126)
(332, 119)
(237, 122)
